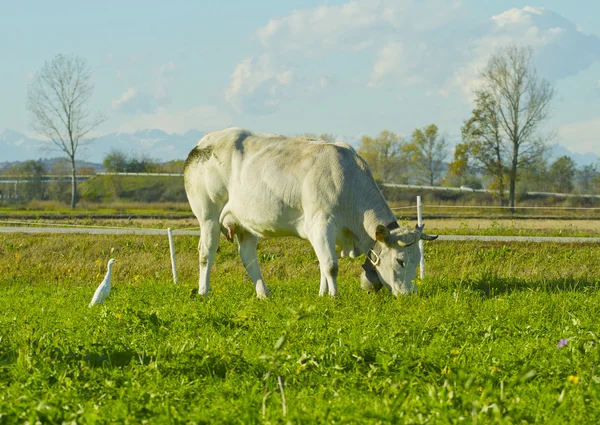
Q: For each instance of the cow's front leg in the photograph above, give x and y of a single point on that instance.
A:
(324, 246)
(247, 243)
(207, 247)
(323, 287)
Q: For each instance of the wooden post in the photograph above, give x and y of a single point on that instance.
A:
(172, 249)
(421, 245)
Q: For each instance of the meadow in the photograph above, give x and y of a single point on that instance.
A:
(498, 333)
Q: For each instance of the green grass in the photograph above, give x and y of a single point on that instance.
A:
(478, 343)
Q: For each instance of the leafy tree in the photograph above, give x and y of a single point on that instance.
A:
(118, 161)
(142, 164)
(33, 171)
(427, 153)
(483, 139)
(59, 189)
(115, 161)
(326, 137)
(460, 169)
(174, 167)
(58, 101)
(595, 184)
(534, 176)
(512, 103)
(384, 155)
(586, 176)
(562, 174)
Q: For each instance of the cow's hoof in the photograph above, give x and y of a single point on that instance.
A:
(263, 293)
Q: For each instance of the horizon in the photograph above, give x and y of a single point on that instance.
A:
(348, 68)
(556, 150)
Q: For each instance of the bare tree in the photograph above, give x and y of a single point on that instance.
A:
(58, 101)
(521, 101)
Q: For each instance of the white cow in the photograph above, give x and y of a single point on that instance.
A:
(249, 185)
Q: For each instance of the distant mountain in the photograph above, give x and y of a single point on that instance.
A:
(162, 146)
(580, 159)
(156, 144)
(15, 146)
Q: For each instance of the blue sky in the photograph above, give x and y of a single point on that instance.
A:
(343, 67)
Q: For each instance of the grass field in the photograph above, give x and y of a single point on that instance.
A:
(479, 343)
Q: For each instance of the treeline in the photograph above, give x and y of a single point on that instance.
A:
(31, 185)
(118, 161)
(424, 158)
(502, 148)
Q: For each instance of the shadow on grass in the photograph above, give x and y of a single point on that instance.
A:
(491, 286)
(198, 364)
(117, 358)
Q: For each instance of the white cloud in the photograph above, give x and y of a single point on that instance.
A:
(399, 63)
(126, 97)
(581, 136)
(167, 68)
(389, 60)
(560, 49)
(353, 25)
(208, 118)
(291, 42)
(431, 43)
(151, 97)
(134, 102)
(258, 84)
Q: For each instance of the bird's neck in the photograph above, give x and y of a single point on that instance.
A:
(108, 272)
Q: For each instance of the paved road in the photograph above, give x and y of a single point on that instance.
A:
(95, 231)
(518, 239)
(126, 231)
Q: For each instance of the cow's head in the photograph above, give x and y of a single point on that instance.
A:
(393, 260)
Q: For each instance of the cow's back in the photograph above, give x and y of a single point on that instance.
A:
(267, 181)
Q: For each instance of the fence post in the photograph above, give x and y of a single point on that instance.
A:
(172, 249)
(420, 223)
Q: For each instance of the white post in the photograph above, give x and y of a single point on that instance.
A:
(172, 249)
(420, 223)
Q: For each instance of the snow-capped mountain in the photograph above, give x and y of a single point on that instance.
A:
(159, 145)
(156, 144)
(15, 146)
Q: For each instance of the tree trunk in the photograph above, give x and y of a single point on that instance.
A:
(513, 177)
(501, 189)
(74, 197)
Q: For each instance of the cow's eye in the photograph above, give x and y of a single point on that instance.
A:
(400, 262)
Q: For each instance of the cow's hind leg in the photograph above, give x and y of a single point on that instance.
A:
(247, 243)
(207, 248)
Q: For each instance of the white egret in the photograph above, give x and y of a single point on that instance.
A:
(104, 288)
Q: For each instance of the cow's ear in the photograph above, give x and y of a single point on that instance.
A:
(382, 233)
